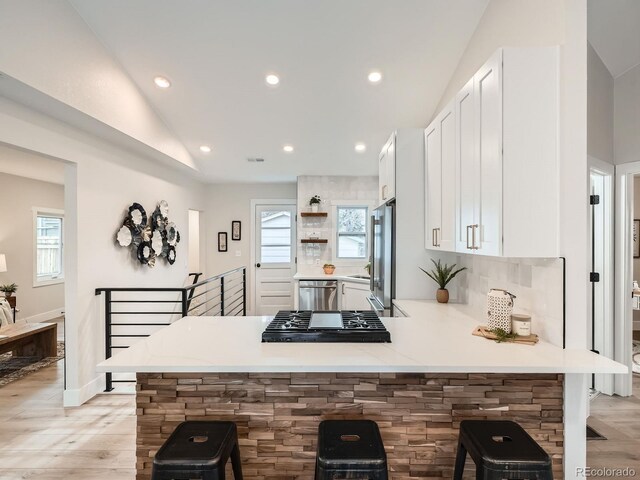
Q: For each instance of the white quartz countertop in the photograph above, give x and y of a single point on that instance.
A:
(437, 340)
(322, 276)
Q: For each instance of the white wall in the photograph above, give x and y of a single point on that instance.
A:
(507, 23)
(342, 189)
(18, 196)
(228, 202)
(68, 63)
(100, 182)
(599, 109)
(627, 116)
(25, 164)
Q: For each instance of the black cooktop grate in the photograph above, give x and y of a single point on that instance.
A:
(357, 327)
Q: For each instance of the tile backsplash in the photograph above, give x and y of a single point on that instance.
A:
(537, 284)
(361, 190)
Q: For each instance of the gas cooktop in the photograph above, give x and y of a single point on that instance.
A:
(309, 326)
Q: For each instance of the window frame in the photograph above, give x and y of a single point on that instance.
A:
(337, 234)
(46, 280)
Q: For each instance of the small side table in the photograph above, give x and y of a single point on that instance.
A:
(12, 304)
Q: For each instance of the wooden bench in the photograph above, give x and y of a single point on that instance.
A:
(30, 340)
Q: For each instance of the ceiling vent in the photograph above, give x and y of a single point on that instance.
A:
(255, 160)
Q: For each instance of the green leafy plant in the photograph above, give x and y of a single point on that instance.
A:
(367, 267)
(443, 274)
(502, 335)
(9, 288)
(315, 200)
(328, 265)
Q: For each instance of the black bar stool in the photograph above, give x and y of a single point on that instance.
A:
(501, 449)
(350, 449)
(198, 450)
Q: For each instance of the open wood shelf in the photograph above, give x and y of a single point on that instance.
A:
(314, 240)
(313, 214)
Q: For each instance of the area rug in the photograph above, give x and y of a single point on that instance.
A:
(14, 368)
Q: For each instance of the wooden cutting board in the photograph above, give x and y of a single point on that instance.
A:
(482, 331)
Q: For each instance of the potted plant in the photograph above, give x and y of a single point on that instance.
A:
(314, 203)
(442, 275)
(8, 289)
(329, 268)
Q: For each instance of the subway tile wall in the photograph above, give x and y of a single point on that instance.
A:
(537, 284)
(362, 190)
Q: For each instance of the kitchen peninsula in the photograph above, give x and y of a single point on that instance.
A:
(417, 388)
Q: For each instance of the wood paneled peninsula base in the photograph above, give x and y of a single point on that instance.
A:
(278, 414)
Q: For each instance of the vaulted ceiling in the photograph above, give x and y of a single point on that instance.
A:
(217, 53)
(614, 33)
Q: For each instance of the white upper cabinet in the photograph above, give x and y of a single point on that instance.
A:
(440, 181)
(506, 169)
(387, 171)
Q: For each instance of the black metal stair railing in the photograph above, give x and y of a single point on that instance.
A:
(133, 313)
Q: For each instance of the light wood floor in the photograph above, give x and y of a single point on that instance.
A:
(39, 439)
(618, 419)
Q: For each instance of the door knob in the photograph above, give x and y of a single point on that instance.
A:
(257, 265)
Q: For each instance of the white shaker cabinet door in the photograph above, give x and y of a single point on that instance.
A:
(487, 229)
(391, 169)
(354, 296)
(446, 236)
(382, 176)
(433, 185)
(467, 171)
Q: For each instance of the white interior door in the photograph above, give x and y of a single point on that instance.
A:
(275, 240)
(601, 291)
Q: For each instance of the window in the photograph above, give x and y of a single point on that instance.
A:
(49, 256)
(275, 236)
(352, 232)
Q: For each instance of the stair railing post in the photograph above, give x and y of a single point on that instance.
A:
(244, 292)
(107, 338)
(184, 302)
(222, 296)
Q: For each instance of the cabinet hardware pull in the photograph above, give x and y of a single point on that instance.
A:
(468, 227)
(437, 237)
(473, 237)
(433, 237)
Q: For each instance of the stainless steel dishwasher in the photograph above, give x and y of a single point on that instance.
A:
(318, 295)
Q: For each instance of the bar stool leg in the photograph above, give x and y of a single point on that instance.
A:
(236, 463)
(461, 457)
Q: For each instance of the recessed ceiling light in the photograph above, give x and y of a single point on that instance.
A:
(288, 148)
(360, 147)
(272, 79)
(162, 82)
(205, 148)
(374, 76)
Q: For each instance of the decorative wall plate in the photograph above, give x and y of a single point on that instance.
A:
(171, 254)
(163, 206)
(149, 238)
(124, 236)
(145, 252)
(138, 215)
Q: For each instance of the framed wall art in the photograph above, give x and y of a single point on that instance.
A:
(222, 241)
(236, 230)
(636, 238)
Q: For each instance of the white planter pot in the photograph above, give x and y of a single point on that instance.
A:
(315, 207)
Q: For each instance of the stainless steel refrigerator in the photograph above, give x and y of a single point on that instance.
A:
(382, 260)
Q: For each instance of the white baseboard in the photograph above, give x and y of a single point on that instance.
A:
(78, 396)
(45, 316)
